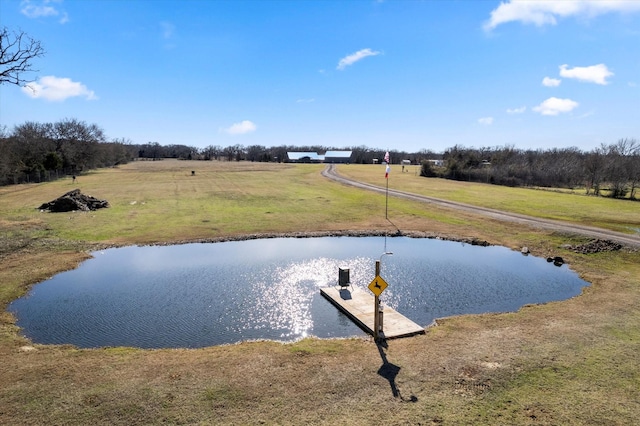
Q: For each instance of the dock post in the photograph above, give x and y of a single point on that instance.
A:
(376, 308)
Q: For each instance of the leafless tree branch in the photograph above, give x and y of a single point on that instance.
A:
(17, 50)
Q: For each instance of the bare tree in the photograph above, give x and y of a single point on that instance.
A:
(594, 169)
(630, 151)
(256, 153)
(17, 50)
(212, 152)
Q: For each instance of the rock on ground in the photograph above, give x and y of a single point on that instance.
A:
(596, 246)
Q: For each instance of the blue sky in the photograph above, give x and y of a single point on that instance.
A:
(392, 74)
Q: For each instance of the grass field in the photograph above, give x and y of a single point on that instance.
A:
(570, 362)
(549, 204)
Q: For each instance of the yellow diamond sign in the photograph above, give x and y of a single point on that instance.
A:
(378, 285)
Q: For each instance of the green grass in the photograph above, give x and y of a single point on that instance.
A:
(572, 362)
(159, 201)
(608, 213)
(156, 201)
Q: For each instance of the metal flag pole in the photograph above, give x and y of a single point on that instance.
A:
(386, 177)
(386, 207)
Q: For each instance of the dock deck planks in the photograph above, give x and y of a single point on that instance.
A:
(357, 304)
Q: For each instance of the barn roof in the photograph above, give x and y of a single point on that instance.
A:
(340, 154)
(295, 156)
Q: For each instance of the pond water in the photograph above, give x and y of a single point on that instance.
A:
(197, 295)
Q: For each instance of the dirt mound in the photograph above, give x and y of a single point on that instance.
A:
(74, 200)
(596, 246)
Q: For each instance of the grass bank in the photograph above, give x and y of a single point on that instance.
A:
(570, 362)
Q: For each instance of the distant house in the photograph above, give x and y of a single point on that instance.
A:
(305, 157)
(337, 156)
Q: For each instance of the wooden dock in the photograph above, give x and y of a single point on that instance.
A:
(357, 304)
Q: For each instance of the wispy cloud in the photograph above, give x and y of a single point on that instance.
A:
(547, 12)
(597, 74)
(42, 9)
(355, 57)
(486, 121)
(517, 110)
(52, 88)
(586, 115)
(241, 128)
(555, 106)
(551, 82)
(167, 29)
(168, 34)
(305, 101)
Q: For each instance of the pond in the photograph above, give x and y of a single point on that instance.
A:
(197, 295)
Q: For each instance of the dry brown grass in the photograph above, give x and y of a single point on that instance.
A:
(570, 362)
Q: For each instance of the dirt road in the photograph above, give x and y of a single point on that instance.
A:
(624, 239)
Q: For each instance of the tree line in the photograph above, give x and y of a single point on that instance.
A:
(610, 169)
(37, 152)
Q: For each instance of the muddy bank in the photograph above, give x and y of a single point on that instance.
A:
(346, 233)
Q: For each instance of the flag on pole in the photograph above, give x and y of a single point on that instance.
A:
(388, 169)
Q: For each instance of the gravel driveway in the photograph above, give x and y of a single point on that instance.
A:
(625, 239)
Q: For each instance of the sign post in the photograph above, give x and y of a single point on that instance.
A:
(376, 317)
(377, 286)
(376, 303)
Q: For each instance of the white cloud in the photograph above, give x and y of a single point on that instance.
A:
(241, 128)
(53, 88)
(555, 106)
(517, 110)
(355, 57)
(31, 10)
(597, 74)
(546, 12)
(551, 82)
(43, 8)
(486, 121)
(305, 101)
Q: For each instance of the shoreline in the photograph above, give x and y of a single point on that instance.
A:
(320, 234)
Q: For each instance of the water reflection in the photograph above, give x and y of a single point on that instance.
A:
(198, 295)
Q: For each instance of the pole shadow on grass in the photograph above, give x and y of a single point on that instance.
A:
(390, 371)
(398, 231)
